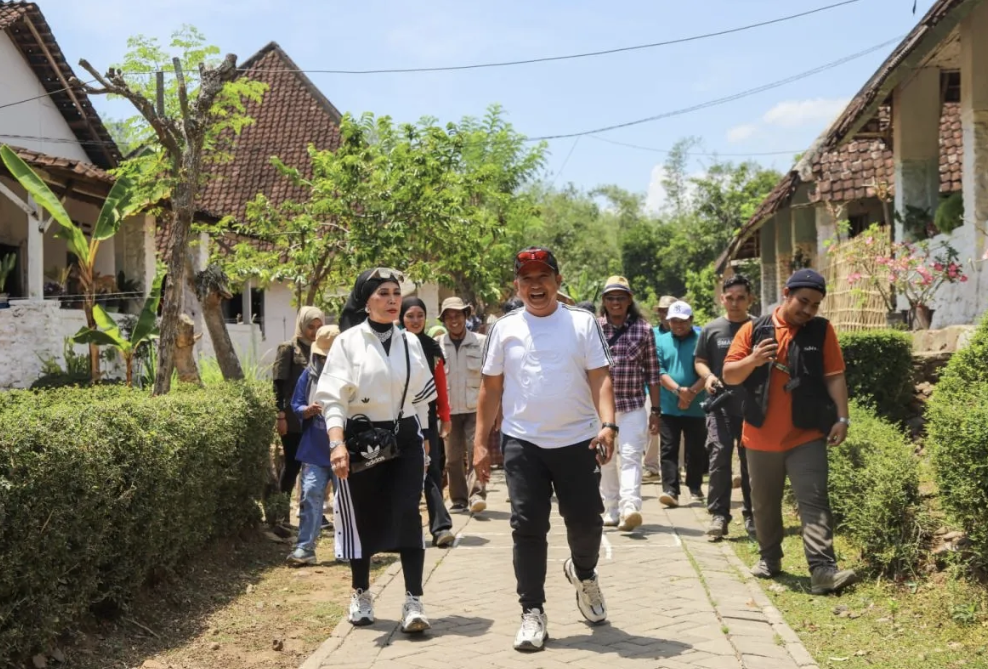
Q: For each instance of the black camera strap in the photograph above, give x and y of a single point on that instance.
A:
(404, 392)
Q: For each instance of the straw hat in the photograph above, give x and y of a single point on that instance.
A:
(325, 337)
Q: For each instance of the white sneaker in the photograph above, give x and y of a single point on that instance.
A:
(478, 504)
(610, 519)
(413, 618)
(630, 519)
(589, 598)
(361, 609)
(534, 631)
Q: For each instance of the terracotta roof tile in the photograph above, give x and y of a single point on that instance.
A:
(66, 166)
(17, 19)
(292, 115)
(844, 174)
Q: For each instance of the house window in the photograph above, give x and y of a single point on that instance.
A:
(858, 224)
(950, 84)
(233, 309)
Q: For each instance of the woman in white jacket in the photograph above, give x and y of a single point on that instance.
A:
(377, 510)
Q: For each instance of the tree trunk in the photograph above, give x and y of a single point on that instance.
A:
(226, 355)
(185, 342)
(129, 361)
(171, 308)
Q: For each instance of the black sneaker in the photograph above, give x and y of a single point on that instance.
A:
(458, 507)
(717, 529)
(749, 527)
(327, 524)
(696, 495)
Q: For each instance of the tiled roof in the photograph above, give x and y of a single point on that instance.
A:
(57, 164)
(850, 172)
(27, 28)
(292, 115)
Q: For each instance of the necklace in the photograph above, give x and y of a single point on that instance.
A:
(383, 336)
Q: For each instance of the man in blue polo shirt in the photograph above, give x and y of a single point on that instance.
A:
(682, 417)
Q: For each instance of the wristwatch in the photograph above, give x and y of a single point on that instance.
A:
(656, 410)
(613, 426)
(334, 443)
(846, 421)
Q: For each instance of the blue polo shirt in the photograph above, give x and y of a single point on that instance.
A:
(676, 358)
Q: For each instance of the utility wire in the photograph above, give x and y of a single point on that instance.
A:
(720, 101)
(700, 155)
(43, 95)
(547, 59)
(565, 162)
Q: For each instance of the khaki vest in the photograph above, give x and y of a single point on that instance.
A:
(463, 371)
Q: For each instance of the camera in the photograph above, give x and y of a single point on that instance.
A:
(715, 402)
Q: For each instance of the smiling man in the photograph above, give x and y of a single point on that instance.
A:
(548, 366)
(792, 370)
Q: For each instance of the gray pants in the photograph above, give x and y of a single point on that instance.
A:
(807, 469)
(459, 459)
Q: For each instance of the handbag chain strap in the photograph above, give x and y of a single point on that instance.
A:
(404, 392)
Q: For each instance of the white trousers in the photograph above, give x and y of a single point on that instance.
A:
(621, 478)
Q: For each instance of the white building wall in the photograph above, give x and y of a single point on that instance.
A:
(38, 118)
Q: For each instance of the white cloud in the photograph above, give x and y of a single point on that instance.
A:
(739, 133)
(798, 113)
(655, 198)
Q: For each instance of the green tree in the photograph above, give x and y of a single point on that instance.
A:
(199, 122)
(443, 203)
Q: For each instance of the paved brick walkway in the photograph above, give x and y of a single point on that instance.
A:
(674, 600)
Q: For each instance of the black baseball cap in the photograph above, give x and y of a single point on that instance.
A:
(535, 254)
(807, 278)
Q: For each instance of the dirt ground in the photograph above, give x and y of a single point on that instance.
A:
(235, 606)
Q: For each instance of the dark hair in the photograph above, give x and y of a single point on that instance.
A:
(738, 280)
(586, 305)
(511, 304)
(633, 312)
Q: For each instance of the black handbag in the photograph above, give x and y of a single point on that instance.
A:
(369, 445)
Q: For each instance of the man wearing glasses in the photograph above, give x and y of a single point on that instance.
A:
(632, 346)
(548, 367)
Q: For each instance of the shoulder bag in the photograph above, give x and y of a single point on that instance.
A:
(369, 445)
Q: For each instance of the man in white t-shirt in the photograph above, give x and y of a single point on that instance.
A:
(547, 365)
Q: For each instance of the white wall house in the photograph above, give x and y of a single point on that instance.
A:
(53, 128)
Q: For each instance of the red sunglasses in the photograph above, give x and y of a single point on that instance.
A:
(537, 255)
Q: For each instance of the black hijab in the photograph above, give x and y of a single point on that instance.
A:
(430, 346)
(354, 311)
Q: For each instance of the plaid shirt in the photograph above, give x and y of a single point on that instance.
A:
(634, 364)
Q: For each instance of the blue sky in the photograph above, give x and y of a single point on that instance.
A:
(549, 98)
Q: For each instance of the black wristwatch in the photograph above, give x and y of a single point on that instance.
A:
(613, 426)
(657, 410)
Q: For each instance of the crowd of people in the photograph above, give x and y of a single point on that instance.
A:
(577, 406)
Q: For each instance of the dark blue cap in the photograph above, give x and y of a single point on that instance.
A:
(807, 278)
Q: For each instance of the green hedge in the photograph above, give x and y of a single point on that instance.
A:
(957, 438)
(880, 370)
(874, 493)
(101, 487)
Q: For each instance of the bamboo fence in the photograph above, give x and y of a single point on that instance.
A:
(853, 307)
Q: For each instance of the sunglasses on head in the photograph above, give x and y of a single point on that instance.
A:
(388, 274)
(529, 255)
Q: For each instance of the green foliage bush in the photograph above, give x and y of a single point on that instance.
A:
(880, 370)
(874, 493)
(957, 437)
(102, 487)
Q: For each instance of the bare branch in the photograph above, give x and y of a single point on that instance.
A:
(183, 91)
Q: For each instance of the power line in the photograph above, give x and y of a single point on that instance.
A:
(565, 162)
(689, 153)
(43, 95)
(547, 59)
(720, 101)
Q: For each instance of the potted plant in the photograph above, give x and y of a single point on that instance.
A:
(915, 271)
(6, 267)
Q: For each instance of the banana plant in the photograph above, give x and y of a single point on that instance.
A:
(108, 332)
(6, 267)
(119, 204)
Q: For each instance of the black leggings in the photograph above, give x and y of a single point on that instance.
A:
(412, 566)
(290, 443)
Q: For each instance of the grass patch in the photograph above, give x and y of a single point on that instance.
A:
(236, 605)
(937, 621)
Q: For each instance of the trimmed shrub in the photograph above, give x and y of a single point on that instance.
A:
(102, 487)
(957, 438)
(880, 370)
(874, 493)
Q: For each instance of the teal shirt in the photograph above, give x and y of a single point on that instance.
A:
(676, 359)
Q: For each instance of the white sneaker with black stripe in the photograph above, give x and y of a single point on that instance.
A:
(533, 633)
(361, 609)
(589, 598)
(413, 619)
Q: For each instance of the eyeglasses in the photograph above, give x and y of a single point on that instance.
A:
(388, 274)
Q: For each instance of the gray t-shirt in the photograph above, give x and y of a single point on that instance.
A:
(712, 346)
